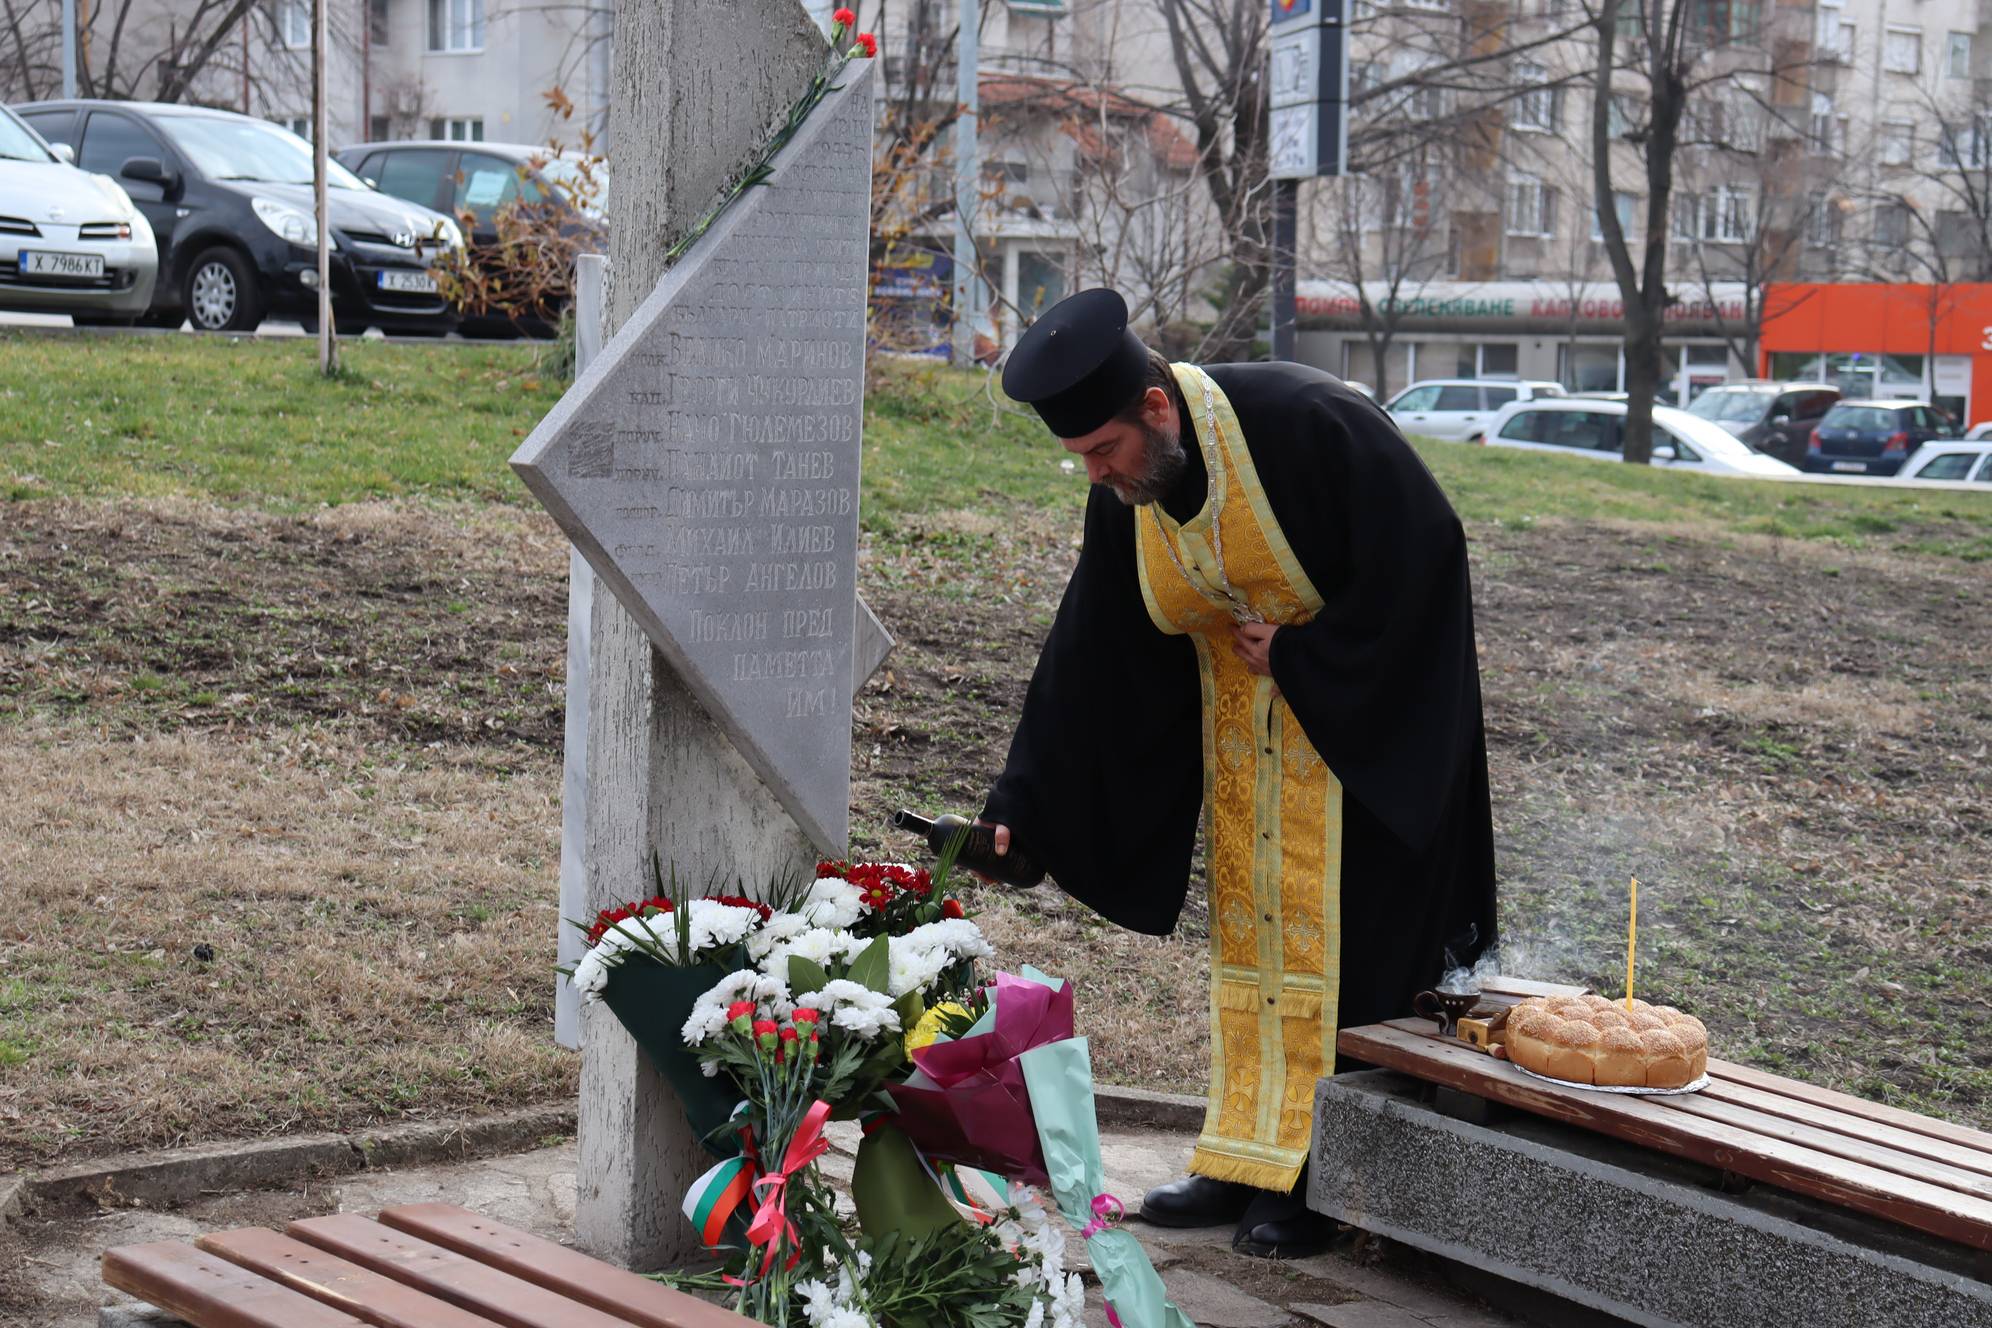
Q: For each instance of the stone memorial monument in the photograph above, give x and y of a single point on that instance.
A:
(705, 464)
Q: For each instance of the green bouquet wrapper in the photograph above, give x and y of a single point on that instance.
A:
(652, 1001)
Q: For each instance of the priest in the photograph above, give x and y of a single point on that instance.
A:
(1270, 624)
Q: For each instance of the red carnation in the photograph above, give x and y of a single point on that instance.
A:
(844, 18)
(868, 44)
(951, 908)
(788, 1033)
(807, 1015)
(740, 1010)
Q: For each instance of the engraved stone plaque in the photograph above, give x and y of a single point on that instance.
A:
(706, 463)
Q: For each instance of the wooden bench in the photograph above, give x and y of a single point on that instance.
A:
(1923, 1174)
(418, 1266)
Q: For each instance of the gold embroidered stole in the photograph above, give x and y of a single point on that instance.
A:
(1273, 808)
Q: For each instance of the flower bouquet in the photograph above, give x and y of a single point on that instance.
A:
(856, 997)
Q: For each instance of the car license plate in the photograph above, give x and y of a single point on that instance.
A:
(421, 283)
(42, 263)
(1859, 467)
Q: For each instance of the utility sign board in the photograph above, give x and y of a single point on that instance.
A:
(1308, 87)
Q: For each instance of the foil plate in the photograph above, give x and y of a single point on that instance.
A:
(1695, 1086)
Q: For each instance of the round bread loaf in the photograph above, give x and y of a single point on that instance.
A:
(1593, 1040)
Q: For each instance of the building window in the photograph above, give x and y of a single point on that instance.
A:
(1829, 129)
(1622, 204)
(1895, 144)
(1902, 50)
(1836, 35)
(1499, 359)
(1822, 220)
(377, 22)
(1956, 236)
(1531, 208)
(1538, 107)
(1891, 224)
(1726, 215)
(1957, 56)
(1961, 146)
(377, 129)
(297, 124)
(456, 25)
(1621, 116)
(458, 129)
(294, 22)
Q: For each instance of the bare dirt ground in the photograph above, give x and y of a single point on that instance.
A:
(279, 823)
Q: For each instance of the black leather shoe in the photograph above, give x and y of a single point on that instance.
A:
(1197, 1201)
(1301, 1236)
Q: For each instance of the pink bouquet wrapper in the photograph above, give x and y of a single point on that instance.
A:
(966, 1101)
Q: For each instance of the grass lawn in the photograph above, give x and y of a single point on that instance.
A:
(281, 676)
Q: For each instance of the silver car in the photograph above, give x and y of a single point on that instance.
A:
(70, 242)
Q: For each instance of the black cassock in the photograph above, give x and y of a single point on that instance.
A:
(1104, 781)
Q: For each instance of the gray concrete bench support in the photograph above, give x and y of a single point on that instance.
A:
(1620, 1228)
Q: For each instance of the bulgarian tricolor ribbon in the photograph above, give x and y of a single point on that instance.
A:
(717, 1195)
(771, 1222)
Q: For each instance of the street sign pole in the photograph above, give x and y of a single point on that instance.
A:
(1308, 104)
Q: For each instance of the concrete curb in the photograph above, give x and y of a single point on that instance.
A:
(1141, 1108)
(181, 1175)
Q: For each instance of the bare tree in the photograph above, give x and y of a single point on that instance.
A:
(1387, 241)
(1675, 53)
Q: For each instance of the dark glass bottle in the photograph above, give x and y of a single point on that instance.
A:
(979, 853)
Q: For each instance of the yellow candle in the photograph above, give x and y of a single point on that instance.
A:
(1631, 942)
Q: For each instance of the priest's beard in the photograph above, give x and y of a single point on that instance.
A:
(1162, 463)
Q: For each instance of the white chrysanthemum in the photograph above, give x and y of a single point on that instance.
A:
(769, 993)
(958, 937)
(832, 902)
(714, 924)
(913, 969)
(1035, 1319)
(780, 928)
(854, 1007)
(819, 945)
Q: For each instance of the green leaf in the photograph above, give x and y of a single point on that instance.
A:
(909, 1007)
(873, 966)
(805, 976)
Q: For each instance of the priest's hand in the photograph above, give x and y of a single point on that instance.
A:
(1001, 837)
(1253, 643)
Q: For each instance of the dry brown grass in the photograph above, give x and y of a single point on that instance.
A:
(327, 746)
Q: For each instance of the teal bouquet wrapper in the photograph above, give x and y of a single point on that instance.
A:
(1014, 1094)
(1060, 1076)
(652, 1001)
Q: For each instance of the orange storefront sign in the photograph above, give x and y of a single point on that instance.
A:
(1884, 319)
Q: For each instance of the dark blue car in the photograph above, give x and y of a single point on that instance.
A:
(1873, 437)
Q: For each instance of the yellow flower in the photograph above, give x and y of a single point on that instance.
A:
(928, 1030)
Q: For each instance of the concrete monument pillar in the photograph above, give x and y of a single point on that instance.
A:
(706, 466)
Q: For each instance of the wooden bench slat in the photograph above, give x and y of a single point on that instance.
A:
(1830, 1142)
(1933, 1209)
(1859, 1127)
(447, 1275)
(1962, 1135)
(210, 1292)
(571, 1273)
(358, 1291)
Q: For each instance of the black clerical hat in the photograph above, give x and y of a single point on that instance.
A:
(1078, 365)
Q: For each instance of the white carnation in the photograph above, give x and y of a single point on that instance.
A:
(958, 937)
(854, 1007)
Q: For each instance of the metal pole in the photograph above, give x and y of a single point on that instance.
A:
(968, 184)
(68, 48)
(328, 344)
(1285, 205)
(591, 303)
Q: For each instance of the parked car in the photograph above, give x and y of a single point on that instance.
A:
(230, 202)
(479, 179)
(1776, 418)
(1456, 408)
(1963, 460)
(1873, 437)
(1976, 432)
(1592, 428)
(70, 242)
